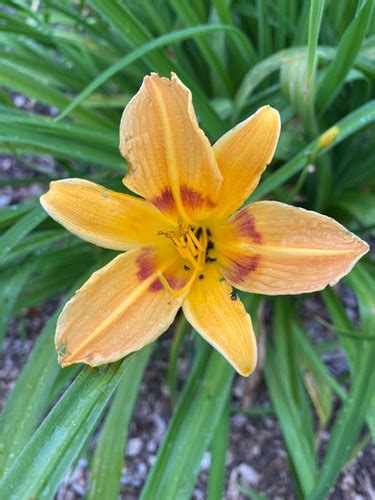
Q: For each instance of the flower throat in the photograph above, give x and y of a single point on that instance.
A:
(193, 244)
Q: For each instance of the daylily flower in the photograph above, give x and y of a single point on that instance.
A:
(186, 244)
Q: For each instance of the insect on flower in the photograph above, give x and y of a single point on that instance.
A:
(186, 242)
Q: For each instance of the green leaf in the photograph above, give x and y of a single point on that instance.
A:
(181, 329)
(8, 215)
(352, 416)
(11, 286)
(28, 82)
(35, 243)
(189, 17)
(109, 454)
(201, 405)
(344, 128)
(43, 462)
(139, 52)
(29, 398)
(56, 273)
(257, 74)
(360, 208)
(318, 381)
(351, 343)
(288, 399)
(347, 50)
(218, 457)
(20, 230)
(264, 31)
(63, 140)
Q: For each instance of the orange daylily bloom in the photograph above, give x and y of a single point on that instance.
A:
(186, 245)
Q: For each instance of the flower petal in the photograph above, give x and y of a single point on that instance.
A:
(243, 153)
(119, 310)
(275, 249)
(170, 160)
(222, 320)
(101, 216)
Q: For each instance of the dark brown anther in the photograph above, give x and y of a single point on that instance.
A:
(187, 268)
(201, 276)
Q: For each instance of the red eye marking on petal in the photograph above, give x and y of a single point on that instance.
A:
(245, 226)
(189, 196)
(241, 267)
(156, 285)
(194, 199)
(146, 265)
(175, 282)
(164, 201)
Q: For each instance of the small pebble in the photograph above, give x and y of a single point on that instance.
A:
(134, 447)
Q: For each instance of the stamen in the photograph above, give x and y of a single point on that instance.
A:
(195, 240)
(193, 247)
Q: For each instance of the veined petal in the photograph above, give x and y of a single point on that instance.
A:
(275, 249)
(242, 154)
(222, 321)
(119, 310)
(101, 216)
(170, 160)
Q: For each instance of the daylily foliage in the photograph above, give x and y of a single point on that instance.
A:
(186, 244)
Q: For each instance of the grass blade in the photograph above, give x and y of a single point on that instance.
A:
(174, 472)
(109, 454)
(218, 456)
(139, 52)
(288, 398)
(181, 329)
(20, 230)
(43, 462)
(29, 398)
(11, 288)
(344, 128)
(347, 50)
(352, 416)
